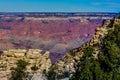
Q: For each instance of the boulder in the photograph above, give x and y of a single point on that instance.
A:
(9, 53)
(32, 56)
(19, 54)
(32, 61)
(46, 55)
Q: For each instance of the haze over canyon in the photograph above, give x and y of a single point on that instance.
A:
(54, 32)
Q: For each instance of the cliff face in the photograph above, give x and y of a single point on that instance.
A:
(36, 56)
(69, 62)
(9, 58)
(57, 33)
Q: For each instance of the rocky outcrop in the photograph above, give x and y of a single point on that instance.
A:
(69, 61)
(57, 35)
(33, 56)
(54, 32)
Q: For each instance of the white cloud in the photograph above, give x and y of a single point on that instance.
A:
(109, 4)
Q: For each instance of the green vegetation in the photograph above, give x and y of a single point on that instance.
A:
(2, 65)
(107, 64)
(103, 22)
(111, 23)
(73, 52)
(51, 74)
(34, 68)
(87, 66)
(119, 15)
(19, 73)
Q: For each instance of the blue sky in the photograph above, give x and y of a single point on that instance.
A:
(59, 5)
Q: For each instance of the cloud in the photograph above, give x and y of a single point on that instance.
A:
(108, 4)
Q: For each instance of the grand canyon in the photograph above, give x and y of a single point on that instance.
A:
(54, 32)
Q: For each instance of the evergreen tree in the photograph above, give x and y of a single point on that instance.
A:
(107, 65)
(119, 15)
(51, 74)
(19, 72)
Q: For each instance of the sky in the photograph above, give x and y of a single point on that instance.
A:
(59, 5)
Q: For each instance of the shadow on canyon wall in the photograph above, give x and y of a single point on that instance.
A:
(55, 34)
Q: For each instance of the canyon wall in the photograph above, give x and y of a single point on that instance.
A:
(10, 57)
(57, 33)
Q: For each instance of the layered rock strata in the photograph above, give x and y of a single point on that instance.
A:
(9, 58)
(69, 62)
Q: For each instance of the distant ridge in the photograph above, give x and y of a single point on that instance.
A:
(62, 14)
(55, 32)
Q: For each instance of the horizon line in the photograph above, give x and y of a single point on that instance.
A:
(56, 12)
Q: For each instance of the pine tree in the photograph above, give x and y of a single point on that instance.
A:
(107, 65)
(19, 72)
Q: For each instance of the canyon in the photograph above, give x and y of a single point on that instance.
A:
(57, 33)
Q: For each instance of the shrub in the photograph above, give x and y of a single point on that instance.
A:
(34, 68)
(19, 72)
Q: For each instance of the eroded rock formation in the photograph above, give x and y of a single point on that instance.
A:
(54, 32)
(9, 58)
(69, 62)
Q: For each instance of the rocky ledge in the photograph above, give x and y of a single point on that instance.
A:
(9, 58)
(34, 56)
(68, 63)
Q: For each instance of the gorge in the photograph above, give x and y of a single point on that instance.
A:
(54, 32)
